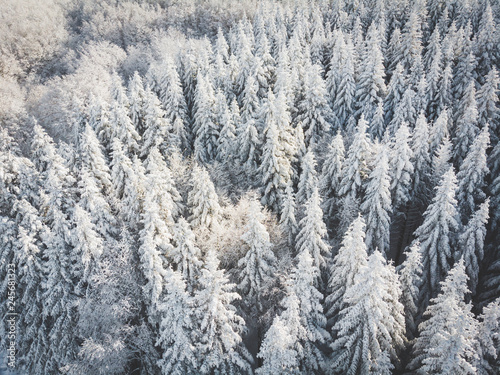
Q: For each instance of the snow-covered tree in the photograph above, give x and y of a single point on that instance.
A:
(395, 92)
(344, 103)
(136, 96)
(410, 277)
(351, 257)
(488, 339)
(308, 179)
(203, 201)
(466, 126)
(312, 231)
(485, 41)
(331, 174)
(441, 161)
(438, 131)
(185, 255)
(314, 113)
(471, 244)
(446, 343)
(356, 164)
(288, 221)
(376, 205)
(436, 233)
(370, 329)
(487, 99)
(276, 166)
(472, 174)
(205, 128)
(401, 167)
(421, 156)
(174, 337)
(155, 124)
(257, 267)
(217, 330)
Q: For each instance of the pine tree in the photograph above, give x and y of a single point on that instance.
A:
(205, 128)
(178, 355)
(401, 167)
(329, 180)
(487, 337)
(421, 157)
(276, 167)
(91, 156)
(156, 125)
(370, 329)
(377, 126)
(443, 98)
(485, 41)
(441, 161)
(226, 147)
(356, 163)
(376, 206)
(471, 244)
(395, 92)
(308, 180)
(203, 201)
(371, 87)
(438, 131)
(487, 99)
(411, 41)
(351, 257)
(257, 267)
(446, 343)
(466, 125)
(314, 112)
(312, 231)
(410, 277)
(136, 96)
(472, 174)
(343, 106)
(218, 345)
(436, 233)
(303, 280)
(288, 221)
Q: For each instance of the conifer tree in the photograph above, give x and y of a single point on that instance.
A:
(438, 131)
(257, 267)
(226, 147)
(471, 244)
(485, 41)
(276, 167)
(156, 125)
(351, 257)
(178, 355)
(435, 235)
(136, 96)
(377, 126)
(410, 277)
(312, 231)
(343, 106)
(487, 99)
(443, 98)
(446, 343)
(314, 113)
(331, 174)
(487, 337)
(472, 174)
(466, 125)
(395, 91)
(442, 160)
(421, 156)
(185, 254)
(356, 163)
(401, 167)
(370, 329)
(376, 206)
(218, 344)
(203, 201)
(205, 128)
(288, 221)
(308, 179)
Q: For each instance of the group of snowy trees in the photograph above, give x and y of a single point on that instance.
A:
(312, 190)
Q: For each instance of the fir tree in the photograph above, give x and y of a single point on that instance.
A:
(257, 267)
(218, 346)
(370, 329)
(329, 180)
(436, 233)
(203, 201)
(446, 343)
(466, 126)
(288, 221)
(401, 167)
(487, 337)
(487, 99)
(376, 206)
(308, 180)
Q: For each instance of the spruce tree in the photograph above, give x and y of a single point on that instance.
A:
(466, 126)
(308, 179)
(401, 167)
(331, 174)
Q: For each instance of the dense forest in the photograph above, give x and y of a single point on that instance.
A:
(239, 187)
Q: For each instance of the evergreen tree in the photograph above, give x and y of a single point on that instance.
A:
(395, 92)
(308, 180)
(156, 125)
(401, 167)
(203, 201)
(370, 329)
(376, 206)
(410, 277)
(377, 126)
(472, 173)
(466, 126)
(226, 147)
(421, 156)
(487, 337)
(487, 99)
(351, 257)
(485, 41)
(441, 160)
(329, 180)
(446, 343)
(136, 96)
(438, 131)
(288, 222)
(257, 267)
(343, 105)
(314, 112)
(312, 231)
(471, 244)
(218, 347)
(356, 163)
(178, 355)
(205, 128)
(276, 165)
(436, 234)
